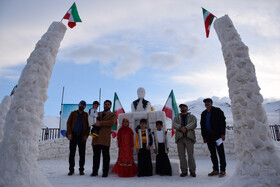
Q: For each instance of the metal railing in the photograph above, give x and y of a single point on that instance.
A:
(50, 133)
(53, 133)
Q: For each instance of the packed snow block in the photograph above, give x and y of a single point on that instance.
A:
(152, 116)
(140, 115)
(255, 152)
(4, 108)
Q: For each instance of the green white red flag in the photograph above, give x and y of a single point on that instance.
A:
(117, 109)
(73, 16)
(170, 108)
(208, 19)
(13, 91)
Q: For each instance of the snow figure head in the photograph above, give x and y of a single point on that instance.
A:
(141, 104)
(141, 93)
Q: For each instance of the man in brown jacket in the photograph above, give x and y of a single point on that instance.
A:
(105, 120)
(77, 132)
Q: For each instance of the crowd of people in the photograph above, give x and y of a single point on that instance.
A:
(81, 124)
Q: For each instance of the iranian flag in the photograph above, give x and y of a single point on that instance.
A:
(117, 109)
(170, 108)
(73, 16)
(13, 91)
(208, 19)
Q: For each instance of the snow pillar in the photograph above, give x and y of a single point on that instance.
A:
(19, 147)
(4, 108)
(257, 160)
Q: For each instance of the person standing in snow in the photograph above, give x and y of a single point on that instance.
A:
(161, 148)
(185, 123)
(93, 114)
(143, 143)
(103, 141)
(77, 132)
(213, 128)
(125, 166)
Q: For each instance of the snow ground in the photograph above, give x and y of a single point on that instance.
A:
(56, 172)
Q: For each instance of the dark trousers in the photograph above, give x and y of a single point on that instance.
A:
(77, 140)
(96, 158)
(212, 146)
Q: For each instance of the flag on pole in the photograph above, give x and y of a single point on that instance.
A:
(170, 108)
(13, 91)
(117, 109)
(73, 16)
(208, 19)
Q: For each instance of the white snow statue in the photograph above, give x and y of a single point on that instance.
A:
(19, 146)
(4, 108)
(141, 104)
(141, 109)
(257, 161)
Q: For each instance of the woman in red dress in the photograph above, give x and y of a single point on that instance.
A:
(125, 166)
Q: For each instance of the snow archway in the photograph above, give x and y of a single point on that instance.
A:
(258, 163)
(19, 147)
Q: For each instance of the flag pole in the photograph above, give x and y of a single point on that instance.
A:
(99, 97)
(61, 111)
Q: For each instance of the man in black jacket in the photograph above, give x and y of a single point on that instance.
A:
(213, 128)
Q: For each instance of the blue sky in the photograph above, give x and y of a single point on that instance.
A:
(122, 45)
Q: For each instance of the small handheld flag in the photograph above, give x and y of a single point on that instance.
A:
(73, 16)
(208, 19)
(170, 108)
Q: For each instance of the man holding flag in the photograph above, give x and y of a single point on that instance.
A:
(185, 123)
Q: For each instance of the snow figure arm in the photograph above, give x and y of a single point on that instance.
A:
(166, 140)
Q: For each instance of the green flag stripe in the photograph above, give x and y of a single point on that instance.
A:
(75, 14)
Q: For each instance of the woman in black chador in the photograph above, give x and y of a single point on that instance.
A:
(143, 143)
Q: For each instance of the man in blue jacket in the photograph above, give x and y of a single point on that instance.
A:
(213, 128)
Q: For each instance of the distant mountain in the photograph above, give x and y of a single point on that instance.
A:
(196, 107)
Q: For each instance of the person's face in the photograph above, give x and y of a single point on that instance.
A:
(107, 106)
(143, 125)
(184, 109)
(82, 106)
(95, 106)
(141, 93)
(158, 126)
(125, 123)
(208, 105)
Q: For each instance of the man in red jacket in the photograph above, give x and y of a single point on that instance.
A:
(77, 132)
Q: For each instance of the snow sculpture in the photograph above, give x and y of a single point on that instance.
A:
(4, 108)
(19, 147)
(141, 109)
(141, 104)
(258, 162)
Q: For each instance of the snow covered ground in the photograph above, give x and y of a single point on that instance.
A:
(56, 172)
